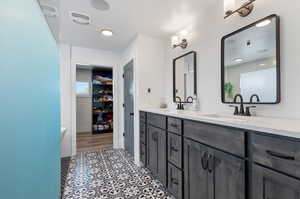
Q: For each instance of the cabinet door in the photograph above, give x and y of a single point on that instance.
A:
(195, 173)
(175, 181)
(174, 149)
(268, 184)
(226, 176)
(162, 156)
(152, 150)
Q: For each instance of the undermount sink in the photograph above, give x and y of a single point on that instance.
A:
(225, 117)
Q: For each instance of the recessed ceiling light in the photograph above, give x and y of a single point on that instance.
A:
(263, 23)
(262, 64)
(238, 60)
(107, 32)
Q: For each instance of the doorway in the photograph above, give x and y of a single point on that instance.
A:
(128, 108)
(94, 108)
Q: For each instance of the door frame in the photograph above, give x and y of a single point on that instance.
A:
(74, 100)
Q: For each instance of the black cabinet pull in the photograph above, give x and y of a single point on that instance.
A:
(174, 149)
(204, 161)
(174, 181)
(280, 155)
(174, 125)
(211, 162)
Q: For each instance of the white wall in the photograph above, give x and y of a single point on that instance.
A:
(84, 104)
(206, 40)
(70, 57)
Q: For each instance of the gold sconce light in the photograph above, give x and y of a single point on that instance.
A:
(180, 40)
(230, 7)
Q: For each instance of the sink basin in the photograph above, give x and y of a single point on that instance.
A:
(225, 117)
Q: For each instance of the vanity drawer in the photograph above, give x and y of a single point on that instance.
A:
(156, 120)
(227, 139)
(277, 153)
(142, 116)
(175, 181)
(143, 132)
(174, 149)
(174, 125)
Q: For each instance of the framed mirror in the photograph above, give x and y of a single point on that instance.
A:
(250, 63)
(185, 76)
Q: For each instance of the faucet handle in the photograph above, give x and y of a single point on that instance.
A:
(236, 109)
(248, 110)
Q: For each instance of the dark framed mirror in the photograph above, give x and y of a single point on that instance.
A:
(185, 76)
(250, 63)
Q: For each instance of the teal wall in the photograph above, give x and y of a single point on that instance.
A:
(29, 104)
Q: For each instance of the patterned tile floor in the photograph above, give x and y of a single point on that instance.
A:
(110, 174)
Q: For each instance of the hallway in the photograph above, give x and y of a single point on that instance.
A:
(110, 174)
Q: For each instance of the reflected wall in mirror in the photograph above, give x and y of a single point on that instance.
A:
(251, 63)
(185, 76)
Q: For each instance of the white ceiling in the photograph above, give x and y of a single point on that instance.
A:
(127, 18)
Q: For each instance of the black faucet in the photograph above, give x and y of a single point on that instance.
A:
(179, 104)
(242, 110)
(189, 100)
(253, 96)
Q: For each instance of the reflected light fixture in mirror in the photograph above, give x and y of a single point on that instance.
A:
(263, 23)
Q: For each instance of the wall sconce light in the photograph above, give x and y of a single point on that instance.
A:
(180, 41)
(243, 11)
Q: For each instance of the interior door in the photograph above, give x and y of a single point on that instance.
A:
(226, 176)
(195, 170)
(128, 108)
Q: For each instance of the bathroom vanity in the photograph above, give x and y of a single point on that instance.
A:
(202, 156)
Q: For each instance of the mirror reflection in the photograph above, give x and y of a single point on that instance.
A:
(250, 65)
(184, 76)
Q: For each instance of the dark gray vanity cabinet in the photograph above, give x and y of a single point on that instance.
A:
(175, 173)
(157, 147)
(195, 170)
(212, 174)
(143, 139)
(268, 184)
(198, 160)
(276, 165)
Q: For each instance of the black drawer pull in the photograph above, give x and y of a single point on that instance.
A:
(211, 163)
(204, 161)
(174, 181)
(280, 155)
(174, 149)
(174, 125)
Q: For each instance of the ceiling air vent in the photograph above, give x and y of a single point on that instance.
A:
(79, 18)
(49, 11)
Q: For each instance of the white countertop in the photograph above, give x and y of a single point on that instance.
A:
(275, 126)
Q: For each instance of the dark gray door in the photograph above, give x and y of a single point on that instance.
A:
(128, 108)
(226, 176)
(268, 184)
(195, 170)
